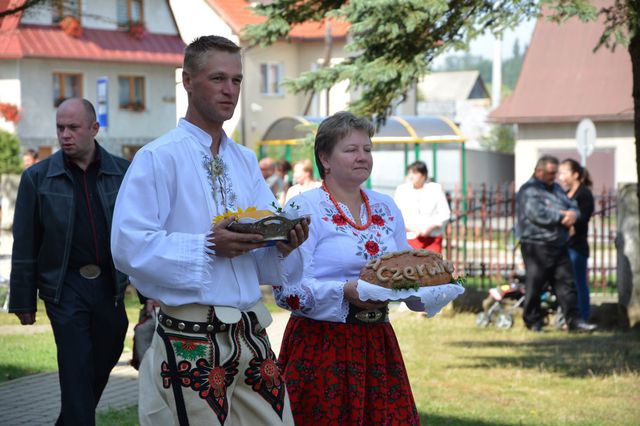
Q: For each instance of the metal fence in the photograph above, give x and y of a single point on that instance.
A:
(480, 237)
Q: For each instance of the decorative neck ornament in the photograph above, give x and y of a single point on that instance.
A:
(367, 206)
(215, 172)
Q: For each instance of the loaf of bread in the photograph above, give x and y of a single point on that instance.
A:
(408, 269)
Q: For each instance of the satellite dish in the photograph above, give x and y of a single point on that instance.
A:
(585, 139)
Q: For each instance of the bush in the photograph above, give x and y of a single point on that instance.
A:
(10, 159)
(500, 139)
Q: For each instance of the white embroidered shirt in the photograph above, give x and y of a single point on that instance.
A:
(163, 215)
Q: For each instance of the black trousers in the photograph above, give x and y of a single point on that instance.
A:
(89, 330)
(548, 264)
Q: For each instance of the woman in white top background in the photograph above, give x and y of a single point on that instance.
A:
(424, 208)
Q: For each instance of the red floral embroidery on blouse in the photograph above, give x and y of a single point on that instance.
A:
(377, 220)
(338, 220)
(372, 247)
(293, 301)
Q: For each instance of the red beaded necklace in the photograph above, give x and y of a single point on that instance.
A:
(344, 216)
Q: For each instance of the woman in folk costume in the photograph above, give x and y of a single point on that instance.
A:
(340, 357)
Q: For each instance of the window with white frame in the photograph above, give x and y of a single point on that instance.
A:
(271, 78)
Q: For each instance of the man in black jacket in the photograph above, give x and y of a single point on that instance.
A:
(61, 251)
(545, 214)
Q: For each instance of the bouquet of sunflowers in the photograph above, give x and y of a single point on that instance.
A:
(273, 225)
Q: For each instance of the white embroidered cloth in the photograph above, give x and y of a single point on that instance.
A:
(425, 299)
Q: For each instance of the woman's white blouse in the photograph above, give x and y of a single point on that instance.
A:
(336, 252)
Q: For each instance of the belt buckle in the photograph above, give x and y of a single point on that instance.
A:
(369, 316)
(90, 271)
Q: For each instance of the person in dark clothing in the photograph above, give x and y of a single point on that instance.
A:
(576, 181)
(61, 252)
(545, 215)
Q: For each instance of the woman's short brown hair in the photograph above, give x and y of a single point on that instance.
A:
(335, 128)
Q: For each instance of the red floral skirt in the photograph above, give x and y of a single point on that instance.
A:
(345, 374)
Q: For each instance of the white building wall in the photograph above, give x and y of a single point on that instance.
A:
(472, 116)
(157, 17)
(39, 14)
(389, 166)
(489, 168)
(311, 55)
(9, 89)
(261, 110)
(196, 18)
(37, 126)
(532, 139)
(102, 14)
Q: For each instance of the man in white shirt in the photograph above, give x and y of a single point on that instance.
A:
(424, 208)
(210, 360)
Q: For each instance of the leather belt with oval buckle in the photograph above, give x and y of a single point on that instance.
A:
(90, 271)
(364, 316)
(369, 316)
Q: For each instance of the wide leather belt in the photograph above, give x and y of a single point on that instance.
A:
(367, 317)
(178, 324)
(90, 271)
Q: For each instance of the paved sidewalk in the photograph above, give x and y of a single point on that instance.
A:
(35, 400)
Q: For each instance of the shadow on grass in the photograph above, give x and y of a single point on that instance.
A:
(11, 372)
(572, 356)
(113, 417)
(440, 420)
(129, 417)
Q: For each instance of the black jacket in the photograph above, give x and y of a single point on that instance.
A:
(578, 241)
(538, 208)
(43, 228)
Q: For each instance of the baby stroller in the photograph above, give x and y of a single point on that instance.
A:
(503, 300)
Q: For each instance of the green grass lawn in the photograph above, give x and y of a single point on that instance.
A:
(462, 375)
(125, 417)
(34, 351)
(24, 354)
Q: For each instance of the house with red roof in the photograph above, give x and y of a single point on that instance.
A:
(562, 82)
(53, 51)
(263, 98)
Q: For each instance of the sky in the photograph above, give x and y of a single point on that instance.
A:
(483, 45)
